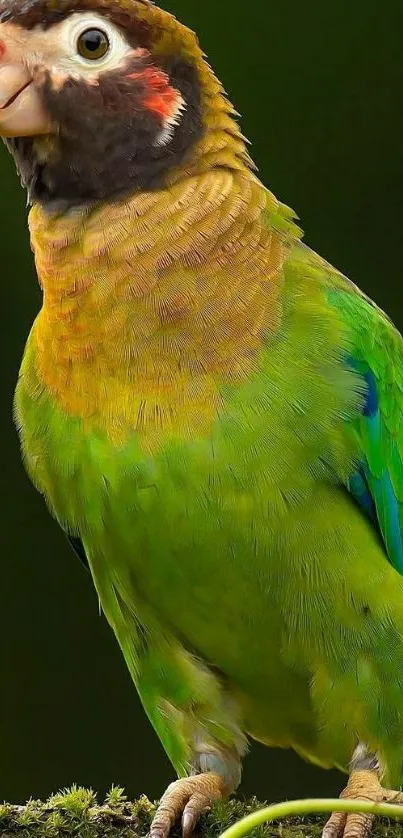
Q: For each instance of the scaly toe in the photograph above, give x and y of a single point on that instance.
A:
(335, 825)
(392, 796)
(189, 797)
(358, 826)
(195, 807)
(362, 785)
(348, 826)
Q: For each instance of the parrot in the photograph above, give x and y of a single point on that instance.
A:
(212, 412)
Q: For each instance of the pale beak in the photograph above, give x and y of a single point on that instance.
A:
(22, 113)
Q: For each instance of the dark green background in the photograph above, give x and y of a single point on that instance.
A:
(319, 84)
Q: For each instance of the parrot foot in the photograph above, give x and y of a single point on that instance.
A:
(189, 797)
(362, 785)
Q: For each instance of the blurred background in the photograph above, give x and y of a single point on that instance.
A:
(320, 89)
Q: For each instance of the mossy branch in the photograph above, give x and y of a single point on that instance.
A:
(76, 813)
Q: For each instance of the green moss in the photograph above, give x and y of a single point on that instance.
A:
(75, 812)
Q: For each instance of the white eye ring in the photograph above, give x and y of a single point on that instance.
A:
(74, 27)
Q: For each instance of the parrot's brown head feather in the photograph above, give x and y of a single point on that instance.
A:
(126, 89)
(45, 13)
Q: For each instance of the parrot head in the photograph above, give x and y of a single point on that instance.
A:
(97, 97)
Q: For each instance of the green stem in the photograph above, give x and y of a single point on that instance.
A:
(292, 808)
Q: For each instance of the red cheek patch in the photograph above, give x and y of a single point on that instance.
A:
(160, 98)
(2, 49)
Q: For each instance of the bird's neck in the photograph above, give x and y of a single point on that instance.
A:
(151, 302)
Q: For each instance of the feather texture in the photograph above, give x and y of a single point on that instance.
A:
(214, 415)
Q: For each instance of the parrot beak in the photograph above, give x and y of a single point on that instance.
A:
(21, 111)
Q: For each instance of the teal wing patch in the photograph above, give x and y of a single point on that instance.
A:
(376, 355)
(372, 484)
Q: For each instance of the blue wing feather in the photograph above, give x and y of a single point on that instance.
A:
(371, 485)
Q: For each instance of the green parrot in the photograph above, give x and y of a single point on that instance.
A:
(213, 413)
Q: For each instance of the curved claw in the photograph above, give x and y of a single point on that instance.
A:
(362, 785)
(196, 806)
(341, 825)
(189, 797)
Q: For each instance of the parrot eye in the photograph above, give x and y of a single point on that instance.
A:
(87, 45)
(92, 44)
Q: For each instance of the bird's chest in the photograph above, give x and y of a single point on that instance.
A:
(207, 515)
(193, 519)
(184, 518)
(173, 535)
